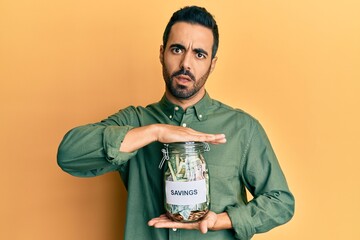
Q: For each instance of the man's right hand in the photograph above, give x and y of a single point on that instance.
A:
(139, 137)
(169, 133)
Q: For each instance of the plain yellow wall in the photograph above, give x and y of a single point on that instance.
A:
(294, 65)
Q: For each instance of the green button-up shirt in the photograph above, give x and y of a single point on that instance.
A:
(247, 160)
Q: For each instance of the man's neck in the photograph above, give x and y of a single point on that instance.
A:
(185, 103)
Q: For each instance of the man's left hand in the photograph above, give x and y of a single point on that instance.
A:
(203, 225)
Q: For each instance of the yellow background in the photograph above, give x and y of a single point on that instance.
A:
(294, 65)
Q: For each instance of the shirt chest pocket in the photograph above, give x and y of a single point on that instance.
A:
(224, 186)
(223, 172)
(223, 179)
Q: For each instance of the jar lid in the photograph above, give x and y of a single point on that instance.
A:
(188, 146)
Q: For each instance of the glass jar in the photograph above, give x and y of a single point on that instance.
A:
(186, 177)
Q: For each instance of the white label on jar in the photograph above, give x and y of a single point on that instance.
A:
(185, 193)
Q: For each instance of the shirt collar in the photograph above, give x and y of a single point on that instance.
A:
(200, 107)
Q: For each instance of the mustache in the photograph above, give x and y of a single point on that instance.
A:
(184, 72)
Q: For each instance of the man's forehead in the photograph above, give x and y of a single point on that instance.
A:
(187, 33)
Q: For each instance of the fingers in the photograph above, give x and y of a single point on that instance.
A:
(164, 222)
(170, 133)
(216, 139)
(154, 221)
(212, 138)
(203, 226)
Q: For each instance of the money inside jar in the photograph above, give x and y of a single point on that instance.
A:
(186, 178)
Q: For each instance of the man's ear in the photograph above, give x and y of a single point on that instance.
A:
(213, 64)
(161, 55)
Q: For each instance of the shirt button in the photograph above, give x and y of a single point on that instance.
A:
(200, 116)
(170, 116)
(176, 108)
(184, 124)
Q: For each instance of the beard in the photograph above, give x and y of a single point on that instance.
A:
(181, 91)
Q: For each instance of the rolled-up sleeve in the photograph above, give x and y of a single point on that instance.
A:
(273, 203)
(113, 137)
(93, 150)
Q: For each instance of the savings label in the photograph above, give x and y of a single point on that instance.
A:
(185, 193)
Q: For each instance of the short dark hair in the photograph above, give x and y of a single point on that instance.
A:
(194, 15)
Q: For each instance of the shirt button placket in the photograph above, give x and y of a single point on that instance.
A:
(187, 118)
(174, 235)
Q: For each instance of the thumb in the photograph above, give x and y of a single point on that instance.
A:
(203, 227)
(208, 222)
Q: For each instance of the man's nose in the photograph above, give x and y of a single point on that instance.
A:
(186, 61)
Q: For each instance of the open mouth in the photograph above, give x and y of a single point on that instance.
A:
(183, 79)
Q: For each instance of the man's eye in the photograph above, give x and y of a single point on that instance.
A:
(200, 55)
(176, 50)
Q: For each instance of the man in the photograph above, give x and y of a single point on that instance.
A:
(131, 140)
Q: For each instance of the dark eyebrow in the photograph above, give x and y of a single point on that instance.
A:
(177, 45)
(200, 50)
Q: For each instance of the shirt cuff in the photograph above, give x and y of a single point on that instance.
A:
(241, 221)
(112, 139)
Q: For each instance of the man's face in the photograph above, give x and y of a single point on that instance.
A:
(186, 60)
